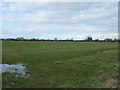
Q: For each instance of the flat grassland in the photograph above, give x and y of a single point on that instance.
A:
(82, 64)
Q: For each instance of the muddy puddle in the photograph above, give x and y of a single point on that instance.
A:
(18, 69)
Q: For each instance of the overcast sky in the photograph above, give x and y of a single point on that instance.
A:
(61, 19)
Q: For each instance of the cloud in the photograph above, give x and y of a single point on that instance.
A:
(68, 19)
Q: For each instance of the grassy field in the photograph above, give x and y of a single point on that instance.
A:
(85, 64)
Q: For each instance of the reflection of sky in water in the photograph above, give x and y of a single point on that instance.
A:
(13, 68)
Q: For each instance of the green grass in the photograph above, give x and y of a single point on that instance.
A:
(85, 64)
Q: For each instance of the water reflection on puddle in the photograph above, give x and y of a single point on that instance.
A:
(19, 69)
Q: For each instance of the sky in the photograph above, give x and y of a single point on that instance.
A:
(62, 20)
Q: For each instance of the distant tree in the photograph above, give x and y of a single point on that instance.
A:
(67, 39)
(34, 39)
(96, 40)
(49, 40)
(89, 38)
(71, 39)
(119, 40)
(115, 40)
(42, 39)
(10, 39)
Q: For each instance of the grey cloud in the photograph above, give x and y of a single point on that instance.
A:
(82, 18)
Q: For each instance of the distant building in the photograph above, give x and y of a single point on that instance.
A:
(108, 40)
(20, 38)
(55, 39)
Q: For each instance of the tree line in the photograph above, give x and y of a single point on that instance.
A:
(88, 39)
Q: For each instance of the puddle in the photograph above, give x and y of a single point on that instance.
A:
(18, 69)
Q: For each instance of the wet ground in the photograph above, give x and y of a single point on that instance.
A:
(18, 69)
